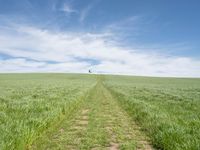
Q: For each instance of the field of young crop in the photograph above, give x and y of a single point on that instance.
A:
(74, 111)
(167, 109)
(31, 103)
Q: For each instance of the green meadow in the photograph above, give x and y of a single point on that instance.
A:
(79, 111)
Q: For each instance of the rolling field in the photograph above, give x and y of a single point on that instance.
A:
(74, 111)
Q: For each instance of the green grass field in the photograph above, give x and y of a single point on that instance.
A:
(167, 109)
(76, 111)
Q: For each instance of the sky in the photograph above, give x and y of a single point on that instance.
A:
(130, 37)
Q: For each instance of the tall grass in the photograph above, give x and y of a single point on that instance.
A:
(168, 109)
(31, 103)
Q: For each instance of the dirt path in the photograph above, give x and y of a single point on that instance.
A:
(99, 125)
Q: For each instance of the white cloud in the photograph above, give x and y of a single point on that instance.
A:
(23, 65)
(31, 49)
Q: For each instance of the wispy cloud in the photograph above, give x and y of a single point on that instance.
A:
(86, 11)
(125, 24)
(120, 29)
(67, 8)
(33, 48)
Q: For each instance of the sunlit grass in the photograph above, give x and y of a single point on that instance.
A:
(31, 103)
(168, 109)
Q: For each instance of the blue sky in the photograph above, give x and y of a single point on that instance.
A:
(137, 37)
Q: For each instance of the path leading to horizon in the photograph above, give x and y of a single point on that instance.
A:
(99, 124)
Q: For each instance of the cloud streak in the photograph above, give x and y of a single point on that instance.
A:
(85, 11)
(68, 9)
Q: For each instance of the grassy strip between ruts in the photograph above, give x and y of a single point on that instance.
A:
(100, 124)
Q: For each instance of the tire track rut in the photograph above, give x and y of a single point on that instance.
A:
(101, 124)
